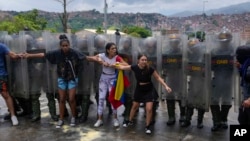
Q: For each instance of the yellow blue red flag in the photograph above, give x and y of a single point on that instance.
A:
(117, 95)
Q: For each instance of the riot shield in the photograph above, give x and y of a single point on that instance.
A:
(151, 47)
(34, 44)
(172, 66)
(18, 75)
(99, 47)
(223, 69)
(51, 42)
(125, 51)
(83, 44)
(196, 75)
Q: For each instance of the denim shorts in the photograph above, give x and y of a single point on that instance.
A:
(67, 84)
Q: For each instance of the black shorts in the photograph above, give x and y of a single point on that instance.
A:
(145, 93)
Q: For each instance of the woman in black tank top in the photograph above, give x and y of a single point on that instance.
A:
(144, 91)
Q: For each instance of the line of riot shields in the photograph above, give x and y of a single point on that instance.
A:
(199, 73)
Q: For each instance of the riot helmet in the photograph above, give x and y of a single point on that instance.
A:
(174, 40)
(29, 42)
(125, 44)
(40, 43)
(82, 44)
(224, 35)
(150, 46)
(193, 44)
(99, 43)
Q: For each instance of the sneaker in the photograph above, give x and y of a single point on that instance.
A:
(59, 123)
(127, 123)
(116, 123)
(98, 123)
(147, 130)
(73, 121)
(14, 120)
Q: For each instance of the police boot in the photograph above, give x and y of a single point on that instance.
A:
(85, 104)
(182, 112)
(25, 104)
(189, 114)
(128, 106)
(52, 106)
(35, 108)
(201, 113)
(224, 113)
(215, 110)
(171, 112)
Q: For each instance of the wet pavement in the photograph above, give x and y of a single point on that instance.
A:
(44, 130)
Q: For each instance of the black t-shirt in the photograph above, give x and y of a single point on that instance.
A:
(142, 75)
(68, 65)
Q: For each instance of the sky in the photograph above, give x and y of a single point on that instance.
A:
(165, 7)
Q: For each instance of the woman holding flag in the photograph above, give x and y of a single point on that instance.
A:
(107, 79)
(144, 91)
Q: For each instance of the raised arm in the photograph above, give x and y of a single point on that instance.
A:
(159, 79)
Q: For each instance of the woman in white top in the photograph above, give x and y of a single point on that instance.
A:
(107, 78)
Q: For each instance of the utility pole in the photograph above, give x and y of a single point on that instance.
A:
(203, 17)
(105, 16)
(204, 6)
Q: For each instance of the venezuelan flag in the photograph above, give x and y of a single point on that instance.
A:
(117, 95)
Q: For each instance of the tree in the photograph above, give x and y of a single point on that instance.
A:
(135, 31)
(30, 20)
(200, 35)
(64, 16)
(99, 30)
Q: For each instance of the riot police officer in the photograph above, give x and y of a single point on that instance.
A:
(49, 76)
(125, 51)
(172, 66)
(222, 65)
(35, 67)
(85, 73)
(196, 75)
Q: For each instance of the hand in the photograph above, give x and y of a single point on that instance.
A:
(20, 55)
(25, 55)
(246, 103)
(106, 64)
(169, 90)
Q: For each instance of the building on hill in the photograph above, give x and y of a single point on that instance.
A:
(93, 31)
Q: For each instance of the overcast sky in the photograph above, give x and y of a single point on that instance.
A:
(166, 7)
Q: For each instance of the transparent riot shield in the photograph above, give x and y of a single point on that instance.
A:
(18, 75)
(223, 68)
(83, 44)
(51, 42)
(172, 66)
(34, 43)
(126, 52)
(196, 75)
(100, 42)
(238, 91)
(151, 48)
